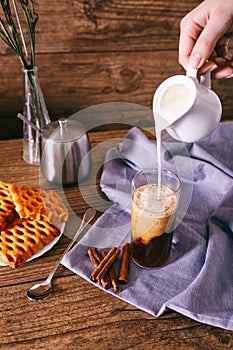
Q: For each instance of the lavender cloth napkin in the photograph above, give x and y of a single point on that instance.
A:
(198, 280)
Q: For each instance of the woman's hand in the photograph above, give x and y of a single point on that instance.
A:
(204, 38)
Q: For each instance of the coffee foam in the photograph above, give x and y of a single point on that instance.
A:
(147, 201)
(152, 216)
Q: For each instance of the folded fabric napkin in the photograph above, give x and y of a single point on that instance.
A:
(198, 280)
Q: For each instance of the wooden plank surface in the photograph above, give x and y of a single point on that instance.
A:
(96, 51)
(108, 25)
(79, 315)
(80, 81)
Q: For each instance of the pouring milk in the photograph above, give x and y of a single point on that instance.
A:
(188, 109)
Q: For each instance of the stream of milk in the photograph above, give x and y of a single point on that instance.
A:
(173, 103)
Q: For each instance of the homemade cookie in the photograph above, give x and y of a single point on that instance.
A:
(28, 220)
(25, 238)
(54, 208)
(7, 207)
(36, 203)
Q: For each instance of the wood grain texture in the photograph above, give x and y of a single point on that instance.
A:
(96, 51)
(79, 315)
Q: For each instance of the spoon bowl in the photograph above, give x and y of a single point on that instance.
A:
(42, 290)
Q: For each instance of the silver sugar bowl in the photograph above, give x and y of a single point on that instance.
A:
(65, 152)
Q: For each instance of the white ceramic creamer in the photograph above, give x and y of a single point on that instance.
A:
(188, 109)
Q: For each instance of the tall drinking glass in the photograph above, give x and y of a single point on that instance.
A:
(155, 198)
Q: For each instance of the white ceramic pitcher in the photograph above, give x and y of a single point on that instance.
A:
(188, 109)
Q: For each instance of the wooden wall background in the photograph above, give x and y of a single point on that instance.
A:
(96, 51)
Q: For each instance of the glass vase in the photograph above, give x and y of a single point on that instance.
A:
(36, 112)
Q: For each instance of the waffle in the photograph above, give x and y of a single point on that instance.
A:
(28, 220)
(6, 205)
(37, 203)
(24, 238)
(54, 208)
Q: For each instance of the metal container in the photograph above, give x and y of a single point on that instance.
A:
(65, 152)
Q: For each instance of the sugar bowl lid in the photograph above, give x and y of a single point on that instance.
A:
(64, 130)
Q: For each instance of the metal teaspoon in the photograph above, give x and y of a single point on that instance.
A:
(42, 290)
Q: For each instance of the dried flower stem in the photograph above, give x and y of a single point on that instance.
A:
(11, 30)
(20, 28)
(17, 29)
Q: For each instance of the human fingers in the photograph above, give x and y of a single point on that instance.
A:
(224, 72)
(217, 72)
(222, 58)
(201, 29)
(206, 44)
(189, 32)
(207, 67)
(222, 49)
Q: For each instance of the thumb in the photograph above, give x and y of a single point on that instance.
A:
(205, 44)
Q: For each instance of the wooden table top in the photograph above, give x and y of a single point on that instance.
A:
(79, 315)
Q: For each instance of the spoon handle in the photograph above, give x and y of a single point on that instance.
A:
(25, 120)
(87, 217)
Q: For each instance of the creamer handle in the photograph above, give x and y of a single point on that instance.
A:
(192, 73)
(204, 80)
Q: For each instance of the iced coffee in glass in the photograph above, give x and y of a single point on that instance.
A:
(155, 197)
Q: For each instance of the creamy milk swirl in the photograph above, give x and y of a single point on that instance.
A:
(152, 215)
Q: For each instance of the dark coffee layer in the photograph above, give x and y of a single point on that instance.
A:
(154, 253)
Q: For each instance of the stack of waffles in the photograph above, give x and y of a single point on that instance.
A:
(29, 219)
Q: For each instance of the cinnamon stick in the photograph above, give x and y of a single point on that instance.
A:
(124, 267)
(112, 276)
(96, 258)
(105, 264)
